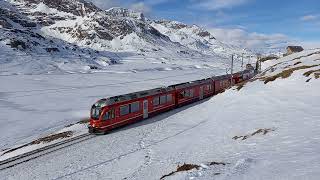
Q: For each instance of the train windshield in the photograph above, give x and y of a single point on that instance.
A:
(95, 112)
(97, 109)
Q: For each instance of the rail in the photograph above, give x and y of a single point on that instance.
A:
(13, 161)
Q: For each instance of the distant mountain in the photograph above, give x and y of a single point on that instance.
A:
(195, 37)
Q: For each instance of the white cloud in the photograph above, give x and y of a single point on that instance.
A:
(141, 7)
(311, 44)
(254, 41)
(309, 17)
(156, 2)
(218, 4)
(144, 7)
(105, 4)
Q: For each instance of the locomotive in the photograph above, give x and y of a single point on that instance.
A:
(113, 112)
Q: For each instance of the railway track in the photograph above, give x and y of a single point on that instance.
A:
(13, 161)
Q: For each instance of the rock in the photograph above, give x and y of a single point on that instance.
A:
(18, 44)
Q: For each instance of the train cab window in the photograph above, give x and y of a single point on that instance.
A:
(124, 110)
(156, 101)
(95, 112)
(108, 115)
(163, 99)
(169, 98)
(135, 107)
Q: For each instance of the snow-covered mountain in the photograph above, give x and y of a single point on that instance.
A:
(195, 37)
(84, 24)
(92, 37)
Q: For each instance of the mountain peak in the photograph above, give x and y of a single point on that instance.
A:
(123, 12)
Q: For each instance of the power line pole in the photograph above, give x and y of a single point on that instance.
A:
(242, 62)
(232, 69)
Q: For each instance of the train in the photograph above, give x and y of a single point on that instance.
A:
(113, 112)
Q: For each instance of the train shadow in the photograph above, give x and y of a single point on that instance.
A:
(157, 118)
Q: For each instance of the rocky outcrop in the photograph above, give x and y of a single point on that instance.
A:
(75, 7)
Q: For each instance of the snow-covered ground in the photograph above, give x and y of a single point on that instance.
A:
(35, 105)
(287, 110)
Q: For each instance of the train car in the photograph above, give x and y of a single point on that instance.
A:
(117, 111)
(222, 82)
(247, 74)
(189, 92)
(237, 77)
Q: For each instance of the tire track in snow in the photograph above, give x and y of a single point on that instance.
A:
(130, 152)
(148, 156)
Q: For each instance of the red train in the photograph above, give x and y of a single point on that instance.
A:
(109, 113)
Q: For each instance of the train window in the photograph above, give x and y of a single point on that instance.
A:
(156, 101)
(112, 114)
(209, 87)
(108, 115)
(191, 92)
(186, 93)
(135, 107)
(169, 98)
(163, 99)
(124, 110)
(181, 95)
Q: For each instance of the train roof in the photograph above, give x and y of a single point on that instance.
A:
(130, 96)
(155, 91)
(227, 76)
(191, 83)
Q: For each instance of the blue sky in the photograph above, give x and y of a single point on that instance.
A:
(294, 19)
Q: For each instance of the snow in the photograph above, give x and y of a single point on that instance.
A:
(53, 101)
(197, 134)
(43, 93)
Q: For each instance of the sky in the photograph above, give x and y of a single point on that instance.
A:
(243, 22)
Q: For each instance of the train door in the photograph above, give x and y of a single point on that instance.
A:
(145, 109)
(201, 92)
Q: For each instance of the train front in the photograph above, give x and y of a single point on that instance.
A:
(95, 117)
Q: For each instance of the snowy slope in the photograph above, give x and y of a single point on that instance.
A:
(264, 130)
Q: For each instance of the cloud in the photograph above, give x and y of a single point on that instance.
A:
(105, 4)
(254, 41)
(309, 17)
(218, 4)
(156, 2)
(311, 44)
(141, 7)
